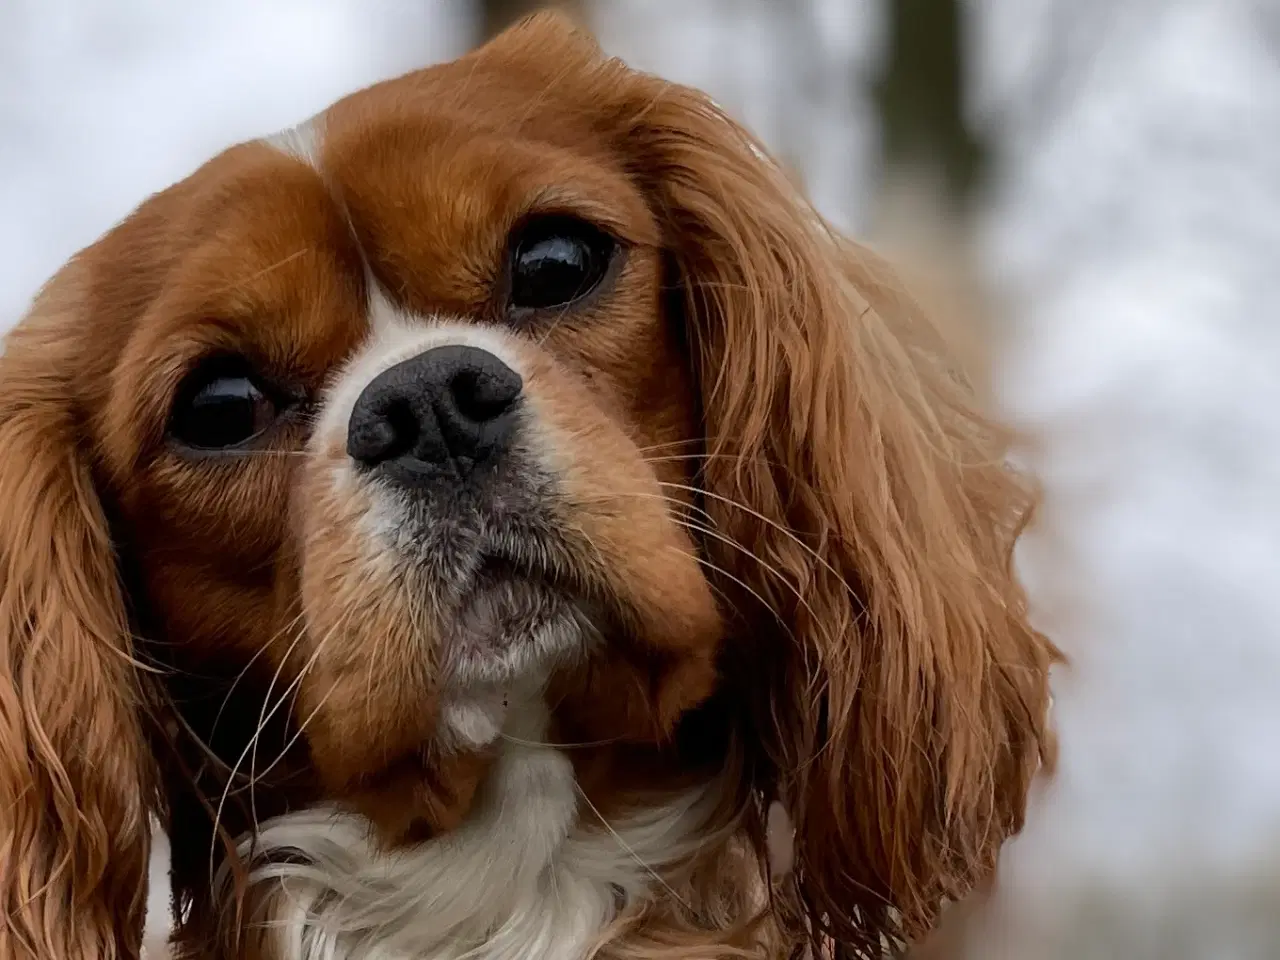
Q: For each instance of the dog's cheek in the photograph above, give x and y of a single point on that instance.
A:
(366, 687)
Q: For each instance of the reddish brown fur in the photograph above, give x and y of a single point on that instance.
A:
(765, 455)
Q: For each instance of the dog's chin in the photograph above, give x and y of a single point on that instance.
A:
(511, 628)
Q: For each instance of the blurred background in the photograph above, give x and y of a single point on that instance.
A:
(1086, 191)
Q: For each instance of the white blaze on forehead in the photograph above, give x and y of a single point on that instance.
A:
(303, 141)
(395, 335)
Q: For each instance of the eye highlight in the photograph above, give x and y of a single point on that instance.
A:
(222, 404)
(556, 261)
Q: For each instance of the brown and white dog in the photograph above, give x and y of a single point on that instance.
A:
(498, 518)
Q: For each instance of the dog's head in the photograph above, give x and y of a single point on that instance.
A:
(524, 376)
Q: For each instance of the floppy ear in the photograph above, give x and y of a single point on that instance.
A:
(895, 688)
(74, 779)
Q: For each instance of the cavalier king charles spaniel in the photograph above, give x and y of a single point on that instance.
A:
(499, 518)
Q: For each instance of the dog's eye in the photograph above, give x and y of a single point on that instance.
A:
(220, 405)
(556, 261)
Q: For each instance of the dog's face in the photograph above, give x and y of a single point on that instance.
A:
(521, 378)
(408, 424)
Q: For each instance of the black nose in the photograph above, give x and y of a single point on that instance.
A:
(450, 407)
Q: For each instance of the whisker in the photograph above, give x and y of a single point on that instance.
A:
(716, 568)
(708, 457)
(729, 501)
(559, 746)
(210, 755)
(248, 666)
(758, 559)
(199, 741)
(675, 504)
(630, 850)
(306, 721)
(242, 283)
(821, 627)
(293, 689)
(302, 728)
(138, 658)
(254, 777)
(716, 534)
(263, 715)
(250, 454)
(722, 285)
(668, 445)
(263, 718)
(559, 318)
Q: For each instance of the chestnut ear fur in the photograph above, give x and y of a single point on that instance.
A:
(892, 693)
(75, 776)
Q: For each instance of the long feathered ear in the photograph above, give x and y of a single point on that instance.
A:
(895, 688)
(74, 778)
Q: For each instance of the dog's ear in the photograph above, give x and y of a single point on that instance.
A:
(75, 777)
(896, 694)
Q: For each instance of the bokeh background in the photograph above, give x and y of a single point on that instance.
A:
(1087, 192)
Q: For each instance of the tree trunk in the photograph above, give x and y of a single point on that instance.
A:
(921, 96)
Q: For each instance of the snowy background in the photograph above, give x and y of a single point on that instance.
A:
(1133, 238)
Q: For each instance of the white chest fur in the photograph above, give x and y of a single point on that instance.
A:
(532, 875)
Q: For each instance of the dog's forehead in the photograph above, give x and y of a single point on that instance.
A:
(433, 171)
(563, 102)
(466, 125)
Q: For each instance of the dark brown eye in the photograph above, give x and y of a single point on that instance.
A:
(556, 261)
(221, 405)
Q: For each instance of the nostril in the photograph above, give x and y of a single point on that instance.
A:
(404, 425)
(392, 431)
(370, 441)
(481, 394)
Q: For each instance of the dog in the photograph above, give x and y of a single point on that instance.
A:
(499, 518)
